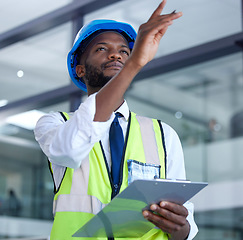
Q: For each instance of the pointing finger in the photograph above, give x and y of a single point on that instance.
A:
(158, 10)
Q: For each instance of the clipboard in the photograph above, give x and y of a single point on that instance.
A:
(122, 217)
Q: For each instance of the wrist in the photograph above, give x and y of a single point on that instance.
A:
(133, 65)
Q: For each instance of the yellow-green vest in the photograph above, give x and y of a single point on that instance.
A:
(83, 192)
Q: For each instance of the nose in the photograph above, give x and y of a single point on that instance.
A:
(114, 54)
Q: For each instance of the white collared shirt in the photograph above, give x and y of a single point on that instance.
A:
(66, 144)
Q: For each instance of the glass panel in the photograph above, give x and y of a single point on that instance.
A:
(203, 20)
(203, 103)
(26, 186)
(220, 224)
(25, 11)
(35, 65)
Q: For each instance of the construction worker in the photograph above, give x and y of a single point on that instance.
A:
(103, 61)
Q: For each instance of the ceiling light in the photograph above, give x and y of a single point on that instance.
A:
(178, 115)
(3, 102)
(20, 73)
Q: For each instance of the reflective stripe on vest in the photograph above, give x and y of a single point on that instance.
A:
(89, 188)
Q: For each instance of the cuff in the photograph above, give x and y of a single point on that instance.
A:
(92, 130)
(190, 219)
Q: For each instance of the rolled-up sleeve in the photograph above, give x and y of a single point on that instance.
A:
(68, 143)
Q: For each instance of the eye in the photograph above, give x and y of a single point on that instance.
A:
(125, 52)
(100, 49)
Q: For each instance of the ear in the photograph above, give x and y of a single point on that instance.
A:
(80, 70)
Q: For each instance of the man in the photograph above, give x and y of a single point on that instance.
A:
(105, 58)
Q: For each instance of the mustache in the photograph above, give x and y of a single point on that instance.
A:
(104, 65)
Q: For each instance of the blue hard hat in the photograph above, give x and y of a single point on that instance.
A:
(85, 36)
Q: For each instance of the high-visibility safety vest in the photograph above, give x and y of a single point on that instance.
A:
(83, 192)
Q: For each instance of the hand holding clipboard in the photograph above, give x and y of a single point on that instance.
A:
(123, 217)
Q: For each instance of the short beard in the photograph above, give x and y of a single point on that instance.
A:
(95, 78)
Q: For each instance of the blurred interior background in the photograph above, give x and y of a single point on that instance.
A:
(195, 84)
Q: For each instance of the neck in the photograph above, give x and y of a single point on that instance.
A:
(120, 104)
(92, 90)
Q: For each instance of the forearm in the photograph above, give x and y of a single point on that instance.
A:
(111, 96)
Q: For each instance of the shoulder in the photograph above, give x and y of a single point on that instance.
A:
(52, 118)
(168, 130)
(170, 135)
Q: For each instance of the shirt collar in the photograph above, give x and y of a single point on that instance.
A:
(124, 110)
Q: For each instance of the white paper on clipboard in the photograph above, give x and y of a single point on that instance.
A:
(123, 218)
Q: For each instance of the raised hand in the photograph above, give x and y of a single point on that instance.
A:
(150, 34)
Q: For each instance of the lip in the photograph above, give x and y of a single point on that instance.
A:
(114, 65)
